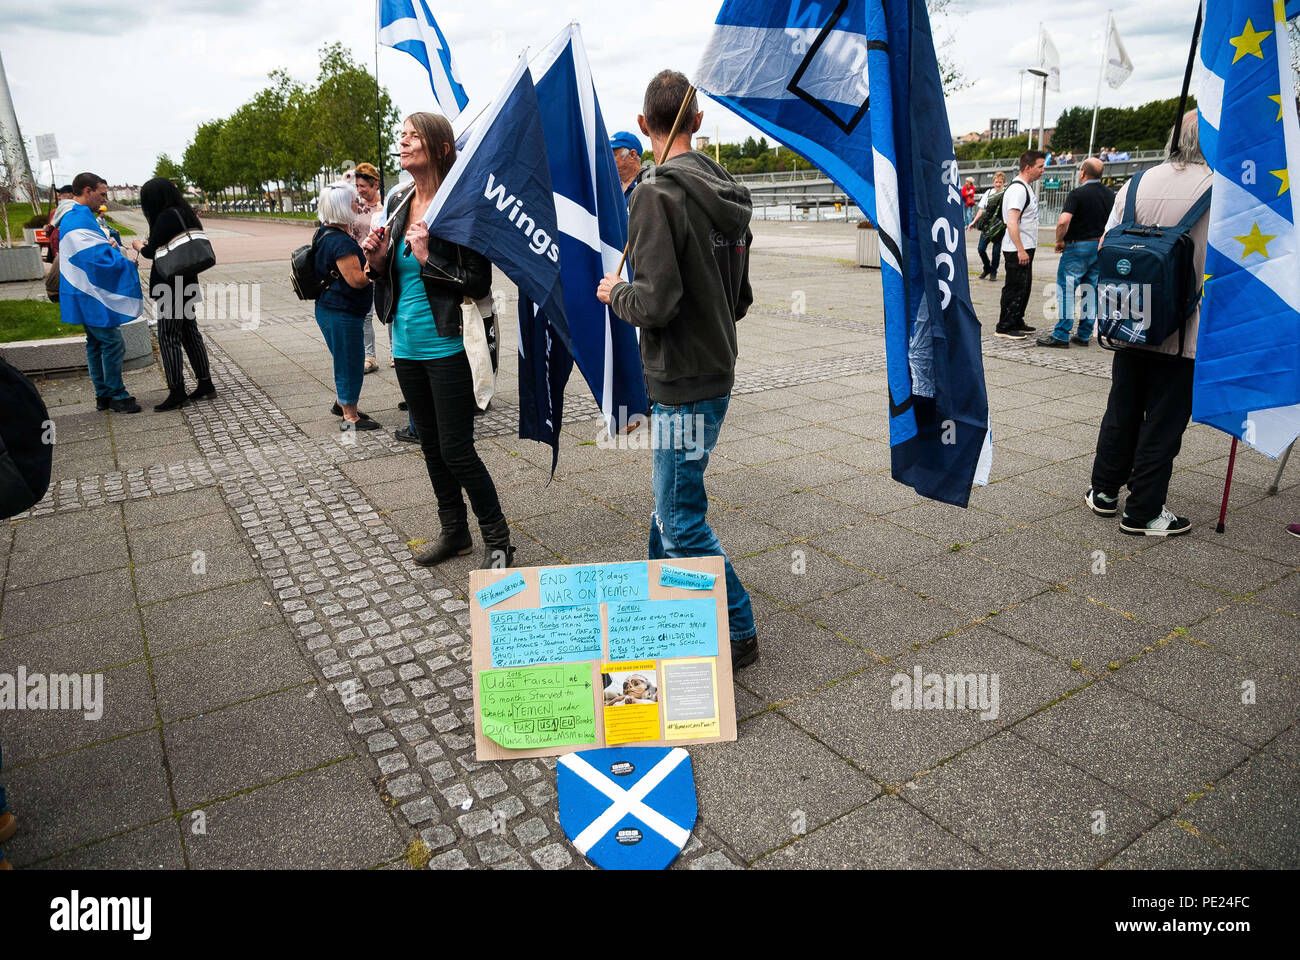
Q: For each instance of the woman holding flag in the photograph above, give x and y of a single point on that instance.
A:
(420, 285)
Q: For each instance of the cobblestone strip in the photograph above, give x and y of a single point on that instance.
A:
(390, 639)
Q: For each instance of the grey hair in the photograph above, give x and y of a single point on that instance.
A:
(1187, 148)
(335, 205)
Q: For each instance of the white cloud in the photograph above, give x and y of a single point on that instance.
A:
(119, 84)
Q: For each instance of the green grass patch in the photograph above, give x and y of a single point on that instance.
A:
(33, 320)
(20, 213)
(297, 215)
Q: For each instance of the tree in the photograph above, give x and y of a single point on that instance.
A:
(171, 170)
(1144, 127)
(951, 75)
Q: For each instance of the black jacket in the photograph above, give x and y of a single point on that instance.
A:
(451, 273)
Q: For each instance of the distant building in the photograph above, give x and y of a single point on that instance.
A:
(1002, 127)
(971, 137)
(124, 193)
(701, 143)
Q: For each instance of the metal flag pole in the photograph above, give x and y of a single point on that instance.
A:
(1020, 107)
(379, 115)
(1227, 485)
(1101, 71)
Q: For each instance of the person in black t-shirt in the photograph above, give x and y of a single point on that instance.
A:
(1081, 226)
(341, 310)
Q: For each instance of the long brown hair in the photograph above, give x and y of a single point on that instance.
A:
(435, 130)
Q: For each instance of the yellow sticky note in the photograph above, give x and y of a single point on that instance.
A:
(631, 696)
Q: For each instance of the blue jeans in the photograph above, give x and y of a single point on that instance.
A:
(344, 335)
(104, 351)
(1078, 265)
(684, 437)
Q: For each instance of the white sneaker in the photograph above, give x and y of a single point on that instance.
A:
(1167, 524)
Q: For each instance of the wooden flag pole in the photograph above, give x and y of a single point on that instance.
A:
(672, 138)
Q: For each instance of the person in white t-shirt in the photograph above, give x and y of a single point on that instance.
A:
(1020, 211)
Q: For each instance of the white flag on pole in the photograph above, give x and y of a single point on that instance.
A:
(1049, 60)
(1118, 65)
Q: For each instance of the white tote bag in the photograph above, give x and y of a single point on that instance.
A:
(476, 349)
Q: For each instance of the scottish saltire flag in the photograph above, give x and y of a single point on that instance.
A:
(627, 808)
(592, 217)
(407, 25)
(855, 88)
(98, 287)
(1247, 379)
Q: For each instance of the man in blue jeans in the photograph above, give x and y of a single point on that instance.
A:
(99, 289)
(688, 243)
(1081, 226)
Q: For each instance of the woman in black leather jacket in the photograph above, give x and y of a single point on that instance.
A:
(420, 283)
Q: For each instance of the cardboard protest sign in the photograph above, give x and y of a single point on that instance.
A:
(583, 657)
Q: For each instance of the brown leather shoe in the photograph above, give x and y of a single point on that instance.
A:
(8, 827)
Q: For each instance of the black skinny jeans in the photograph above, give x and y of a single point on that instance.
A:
(1149, 407)
(440, 398)
(1016, 291)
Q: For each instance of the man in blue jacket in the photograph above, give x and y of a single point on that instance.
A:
(99, 288)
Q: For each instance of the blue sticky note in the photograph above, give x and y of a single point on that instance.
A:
(521, 638)
(663, 628)
(503, 589)
(685, 579)
(593, 583)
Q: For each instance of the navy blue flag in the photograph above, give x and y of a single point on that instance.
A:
(497, 200)
(592, 215)
(856, 88)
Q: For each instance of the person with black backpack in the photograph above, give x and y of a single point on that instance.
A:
(988, 221)
(345, 298)
(1150, 401)
(170, 216)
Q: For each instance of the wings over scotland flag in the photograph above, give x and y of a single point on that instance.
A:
(1247, 378)
(592, 216)
(496, 199)
(407, 25)
(856, 89)
(98, 287)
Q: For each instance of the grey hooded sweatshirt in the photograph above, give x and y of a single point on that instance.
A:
(689, 238)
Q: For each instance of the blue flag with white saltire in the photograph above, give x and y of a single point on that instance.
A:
(592, 216)
(1247, 379)
(856, 89)
(98, 287)
(407, 25)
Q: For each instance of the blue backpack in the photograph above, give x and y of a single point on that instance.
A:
(1147, 284)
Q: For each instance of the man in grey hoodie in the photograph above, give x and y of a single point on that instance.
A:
(688, 233)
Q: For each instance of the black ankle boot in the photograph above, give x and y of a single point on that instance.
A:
(204, 389)
(497, 553)
(175, 398)
(454, 541)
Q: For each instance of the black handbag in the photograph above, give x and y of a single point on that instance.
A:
(185, 255)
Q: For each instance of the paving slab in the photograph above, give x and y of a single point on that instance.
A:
(1175, 846)
(155, 847)
(1253, 812)
(883, 834)
(1025, 809)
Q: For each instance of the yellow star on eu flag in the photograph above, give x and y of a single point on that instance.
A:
(1278, 98)
(1249, 42)
(1285, 176)
(1255, 242)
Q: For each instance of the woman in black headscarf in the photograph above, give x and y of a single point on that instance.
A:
(169, 215)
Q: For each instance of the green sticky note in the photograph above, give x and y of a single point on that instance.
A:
(527, 707)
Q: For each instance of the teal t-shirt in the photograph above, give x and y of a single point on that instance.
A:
(415, 335)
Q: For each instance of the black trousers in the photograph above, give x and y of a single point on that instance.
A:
(440, 398)
(990, 262)
(178, 331)
(1015, 292)
(1142, 431)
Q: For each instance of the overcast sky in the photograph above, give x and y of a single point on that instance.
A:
(118, 83)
